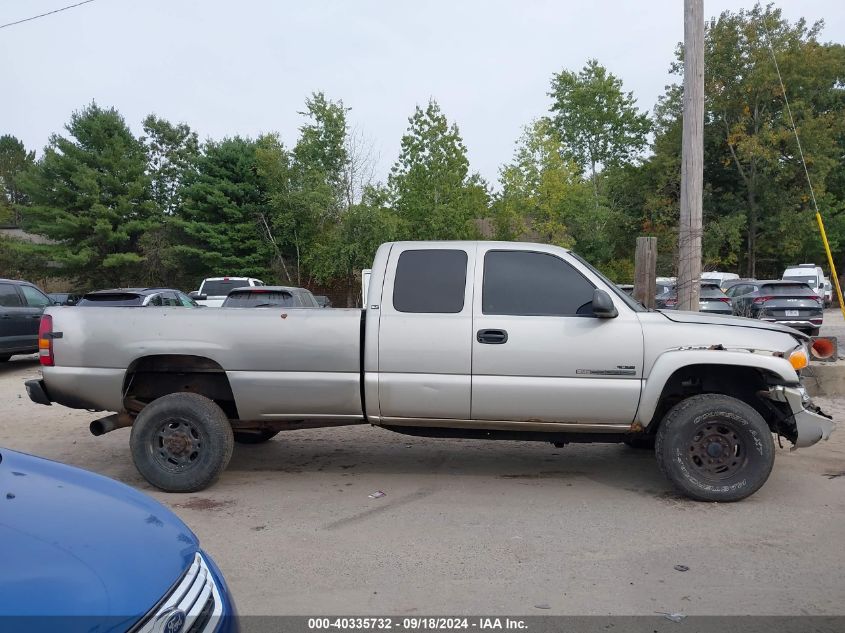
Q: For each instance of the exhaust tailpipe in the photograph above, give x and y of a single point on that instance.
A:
(110, 423)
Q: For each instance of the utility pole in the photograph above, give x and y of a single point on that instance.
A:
(645, 269)
(692, 158)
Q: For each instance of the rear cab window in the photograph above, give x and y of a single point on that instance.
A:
(431, 281)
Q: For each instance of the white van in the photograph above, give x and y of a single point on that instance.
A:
(810, 274)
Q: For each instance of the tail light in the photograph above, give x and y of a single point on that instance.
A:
(724, 299)
(45, 341)
(759, 300)
(671, 302)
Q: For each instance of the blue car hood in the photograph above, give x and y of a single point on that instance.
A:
(73, 543)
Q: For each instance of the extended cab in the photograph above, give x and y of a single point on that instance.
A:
(496, 340)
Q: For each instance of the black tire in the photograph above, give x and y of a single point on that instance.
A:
(5, 357)
(715, 448)
(254, 437)
(181, 442)
(640, 442)
(813, 331)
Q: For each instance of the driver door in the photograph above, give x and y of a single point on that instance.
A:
(539, 355)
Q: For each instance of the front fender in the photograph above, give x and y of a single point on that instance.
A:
(671, 361)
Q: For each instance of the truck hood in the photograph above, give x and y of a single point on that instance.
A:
(730, 321)
(73, 543)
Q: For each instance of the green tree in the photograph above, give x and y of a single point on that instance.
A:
(14, 161)
(349, 246)
(172, 153)
(597, 122)
(430, 184)
(543, 193)
(219, 229)
(306, 187)
(751, 145)
(91, 194)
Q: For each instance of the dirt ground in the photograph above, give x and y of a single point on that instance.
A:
(470, 527)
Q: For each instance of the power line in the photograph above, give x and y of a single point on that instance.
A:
(35, 17)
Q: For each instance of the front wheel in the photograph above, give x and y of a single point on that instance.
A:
(715, 448)
(181, 442)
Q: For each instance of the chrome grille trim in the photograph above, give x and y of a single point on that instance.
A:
(190, 596)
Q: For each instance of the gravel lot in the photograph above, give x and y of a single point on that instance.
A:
(470, 527)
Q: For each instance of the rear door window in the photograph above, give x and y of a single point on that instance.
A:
(430, 281)
(533, 284)
(9, 297)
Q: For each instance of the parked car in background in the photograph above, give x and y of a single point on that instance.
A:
(809, 274)
(270, 297)
(718, 278)
(117, 560)
(323, 301)
(140, 297)
(214, 290)
(711, 299)
(791, 303)
(828, 293)
(21, 306)
(65, 298)
(663, 289)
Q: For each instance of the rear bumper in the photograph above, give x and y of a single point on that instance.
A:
(811, 424)
(37, 392)
(808, 323)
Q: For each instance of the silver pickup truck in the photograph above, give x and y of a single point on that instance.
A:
(497, 340)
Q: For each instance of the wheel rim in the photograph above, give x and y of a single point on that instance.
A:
(176, 445)
(717, 450)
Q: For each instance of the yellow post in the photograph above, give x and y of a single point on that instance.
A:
(833, 275)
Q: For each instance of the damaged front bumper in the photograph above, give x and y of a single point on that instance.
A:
(811, 424)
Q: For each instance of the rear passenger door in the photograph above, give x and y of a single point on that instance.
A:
(425, 333)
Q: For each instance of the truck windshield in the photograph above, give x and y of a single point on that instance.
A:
(222, 287)
(632, 303)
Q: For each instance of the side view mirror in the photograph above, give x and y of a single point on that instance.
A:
(603, 307)
(198, 297)
(193, 294)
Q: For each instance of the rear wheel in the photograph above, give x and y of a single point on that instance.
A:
(254, 437)
(181, 442)
(813, 331)
(715, 448)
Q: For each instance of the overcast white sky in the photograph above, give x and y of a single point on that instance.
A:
(245, 66)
